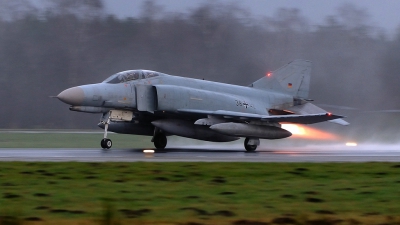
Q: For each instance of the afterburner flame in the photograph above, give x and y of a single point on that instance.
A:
(294, 129)
(300, 131)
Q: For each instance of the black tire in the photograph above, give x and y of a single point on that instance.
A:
(106, 143)
(103, 143)
(160, 141)
(249, 148)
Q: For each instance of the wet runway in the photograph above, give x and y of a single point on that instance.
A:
(302, 154)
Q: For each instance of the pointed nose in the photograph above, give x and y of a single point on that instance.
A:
(72, 96)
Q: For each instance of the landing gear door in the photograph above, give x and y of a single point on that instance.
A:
(146, 98)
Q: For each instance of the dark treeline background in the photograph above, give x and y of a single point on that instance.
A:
(73, 42)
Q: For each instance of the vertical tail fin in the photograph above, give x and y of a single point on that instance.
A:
(293, 78)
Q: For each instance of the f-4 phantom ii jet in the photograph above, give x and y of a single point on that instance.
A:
(144, 102)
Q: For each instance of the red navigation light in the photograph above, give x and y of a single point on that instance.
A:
(269, 74)
(329, 114)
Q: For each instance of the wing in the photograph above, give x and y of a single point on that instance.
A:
(301, 119)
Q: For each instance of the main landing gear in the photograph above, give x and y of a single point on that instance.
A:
(251, 144)
(159, 139)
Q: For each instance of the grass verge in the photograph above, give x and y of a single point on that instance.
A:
(199, 193)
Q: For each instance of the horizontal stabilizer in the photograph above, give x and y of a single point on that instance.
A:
(309, 108)
(303, 119)
(340, 122)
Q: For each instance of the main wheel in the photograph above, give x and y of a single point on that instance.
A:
(106, 143)
(160, 141)
(249, 148)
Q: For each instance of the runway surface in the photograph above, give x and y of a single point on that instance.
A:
(376, 153)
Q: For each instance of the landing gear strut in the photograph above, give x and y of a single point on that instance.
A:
(159, 139)
(105, 142)
(251, 144)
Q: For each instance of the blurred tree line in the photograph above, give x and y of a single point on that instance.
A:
(74, 42)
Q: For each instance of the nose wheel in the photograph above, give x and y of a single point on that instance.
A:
(106, 143)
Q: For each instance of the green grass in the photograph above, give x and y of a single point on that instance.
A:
(205, 193)
(70, 140)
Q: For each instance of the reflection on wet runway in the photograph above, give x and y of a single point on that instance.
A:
(361, 153)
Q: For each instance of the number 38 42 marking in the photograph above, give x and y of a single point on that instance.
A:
(243, 103)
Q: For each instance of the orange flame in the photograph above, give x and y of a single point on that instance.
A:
(300, 131)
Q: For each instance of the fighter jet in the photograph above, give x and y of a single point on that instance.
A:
(144, 102)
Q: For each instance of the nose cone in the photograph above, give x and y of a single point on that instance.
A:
(72, 96)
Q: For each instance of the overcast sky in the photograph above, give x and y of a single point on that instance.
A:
(384, 13)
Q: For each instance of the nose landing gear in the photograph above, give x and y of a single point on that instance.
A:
(105, 142)
(113, 115)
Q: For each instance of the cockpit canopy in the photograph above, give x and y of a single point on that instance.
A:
(129, 75)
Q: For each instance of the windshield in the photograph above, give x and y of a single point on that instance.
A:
(128, 75)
